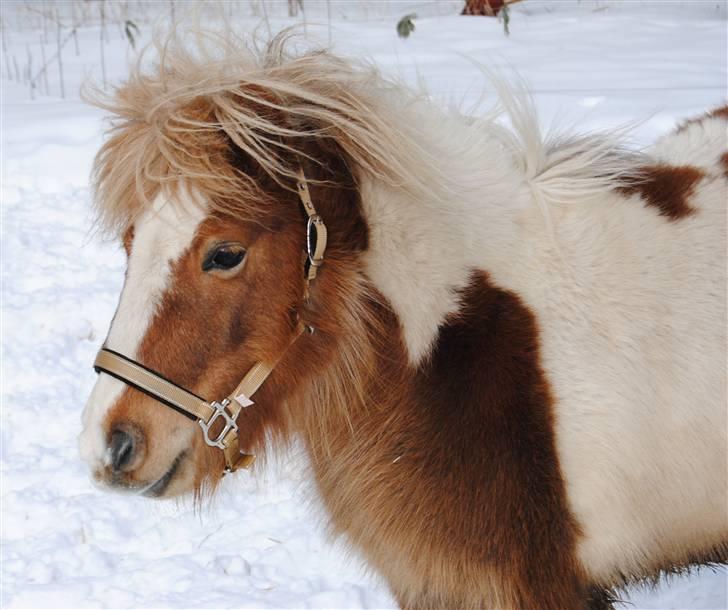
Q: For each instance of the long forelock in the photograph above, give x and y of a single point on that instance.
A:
(179, 122)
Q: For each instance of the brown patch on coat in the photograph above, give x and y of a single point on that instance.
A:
(666, 188)
(717, 113)
(446, 477)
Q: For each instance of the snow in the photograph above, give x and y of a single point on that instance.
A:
(261, 543)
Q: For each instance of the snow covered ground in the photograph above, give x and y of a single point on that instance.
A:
(261, 543)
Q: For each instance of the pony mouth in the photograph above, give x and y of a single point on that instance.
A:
(157, 489)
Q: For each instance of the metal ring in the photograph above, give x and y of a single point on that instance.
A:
(220, 410)
(316, 238)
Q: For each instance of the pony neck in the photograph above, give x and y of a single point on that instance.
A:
(423, 248)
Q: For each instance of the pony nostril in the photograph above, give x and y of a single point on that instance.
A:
(121, 450)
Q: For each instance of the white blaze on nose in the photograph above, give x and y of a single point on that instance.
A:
(161, 235)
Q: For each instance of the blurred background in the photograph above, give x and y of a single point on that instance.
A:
(589, 65)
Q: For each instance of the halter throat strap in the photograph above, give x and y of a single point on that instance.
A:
(224, 413)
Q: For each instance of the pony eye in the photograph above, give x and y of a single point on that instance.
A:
(224, 257)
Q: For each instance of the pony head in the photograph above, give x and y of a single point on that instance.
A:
(198, 179)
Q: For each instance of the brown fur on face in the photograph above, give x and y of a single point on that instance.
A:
(666, 188)
(208, 331)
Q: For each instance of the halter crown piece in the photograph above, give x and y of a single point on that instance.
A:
(207, 413)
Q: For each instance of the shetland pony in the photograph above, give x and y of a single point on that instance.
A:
(512, 388)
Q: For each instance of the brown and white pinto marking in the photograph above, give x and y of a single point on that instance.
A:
(515, 394)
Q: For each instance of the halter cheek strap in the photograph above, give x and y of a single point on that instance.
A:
(207, 413)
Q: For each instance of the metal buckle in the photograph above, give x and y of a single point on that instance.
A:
(220, 411)
(315, 240)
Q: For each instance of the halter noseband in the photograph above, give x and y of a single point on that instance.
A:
(207, 413)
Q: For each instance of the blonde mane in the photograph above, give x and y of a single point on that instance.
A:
(179, 117)
(176, 121)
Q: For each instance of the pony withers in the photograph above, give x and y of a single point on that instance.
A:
(502, 354)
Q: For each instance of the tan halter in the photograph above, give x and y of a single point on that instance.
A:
(206, 412)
